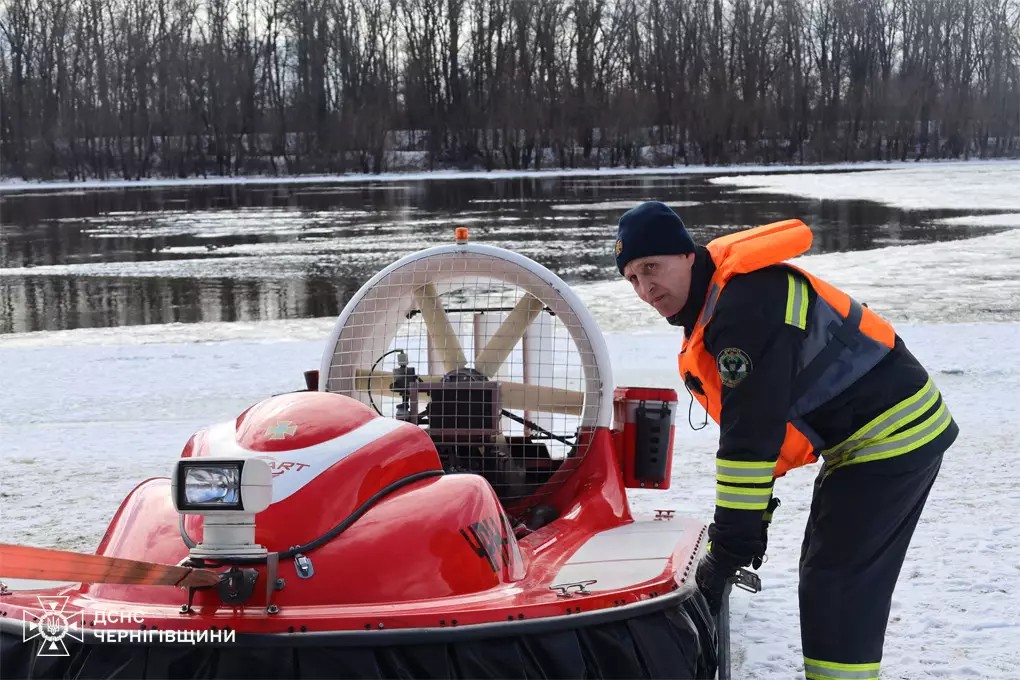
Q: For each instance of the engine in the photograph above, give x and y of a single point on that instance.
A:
(463, 417)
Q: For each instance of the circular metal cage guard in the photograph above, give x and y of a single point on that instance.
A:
(486, 350)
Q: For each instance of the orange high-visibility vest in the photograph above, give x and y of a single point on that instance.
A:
(844, 339)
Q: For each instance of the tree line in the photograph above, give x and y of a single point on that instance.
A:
(140, 88)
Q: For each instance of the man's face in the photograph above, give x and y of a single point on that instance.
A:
(663, 281)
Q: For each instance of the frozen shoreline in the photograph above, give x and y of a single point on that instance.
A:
(961, 281)
(10, 184)
(974, 280)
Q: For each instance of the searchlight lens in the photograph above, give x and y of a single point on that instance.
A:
(218, 486)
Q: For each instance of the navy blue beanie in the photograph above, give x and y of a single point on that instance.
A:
(651, 228)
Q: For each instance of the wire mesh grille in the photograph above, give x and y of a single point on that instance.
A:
(487, 357)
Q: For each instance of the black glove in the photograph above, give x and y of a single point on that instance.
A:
(766, 519)
(713, 571)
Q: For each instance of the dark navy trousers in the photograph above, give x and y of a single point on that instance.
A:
(862, 519)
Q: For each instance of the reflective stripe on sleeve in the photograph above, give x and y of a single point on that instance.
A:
(742, 498)
(744, 472)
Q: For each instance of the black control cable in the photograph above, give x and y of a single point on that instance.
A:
(371, 374)
(326, 537)
(533, 426)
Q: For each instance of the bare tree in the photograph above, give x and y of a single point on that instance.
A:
(133, 88)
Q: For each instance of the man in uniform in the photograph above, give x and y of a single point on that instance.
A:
(793, 370)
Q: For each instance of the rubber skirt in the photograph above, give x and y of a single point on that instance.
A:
(670, 636)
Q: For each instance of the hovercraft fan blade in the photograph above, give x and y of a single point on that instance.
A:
(515, 395)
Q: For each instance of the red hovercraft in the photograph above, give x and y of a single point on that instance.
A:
(415, 512)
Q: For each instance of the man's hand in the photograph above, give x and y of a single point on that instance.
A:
(711, 577)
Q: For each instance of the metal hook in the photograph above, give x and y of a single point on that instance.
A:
(563, 589)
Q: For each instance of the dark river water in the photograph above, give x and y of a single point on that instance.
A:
(152, 255)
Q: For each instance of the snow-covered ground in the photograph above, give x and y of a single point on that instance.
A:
(86, 414)
(988, 185)
(956, 610)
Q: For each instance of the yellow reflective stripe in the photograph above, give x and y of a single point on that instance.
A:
(745, 479)
(791, 285)
(910, 408)
(815, 675)
(742, 498)
(796, 302)
(744, 472)
(745, 464)
(835, 665)
(831, 670)
(886, 422)
(906, 441)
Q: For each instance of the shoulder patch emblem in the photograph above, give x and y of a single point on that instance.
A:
(734, 365)
(619, 247)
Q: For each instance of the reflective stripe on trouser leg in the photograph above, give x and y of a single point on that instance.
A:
(860, 526)
(816, 669)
